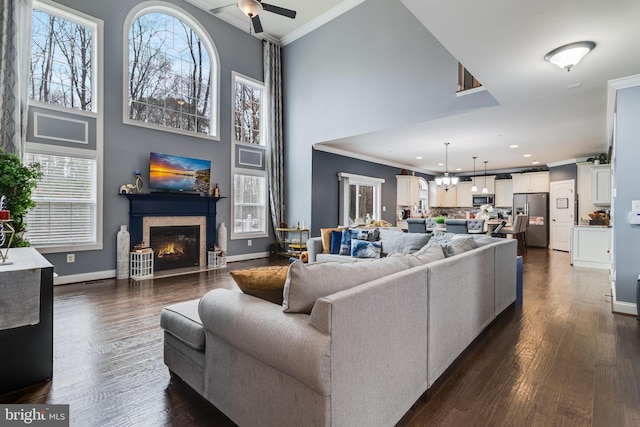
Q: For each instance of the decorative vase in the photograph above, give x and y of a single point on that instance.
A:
(122, 247)
(222, 237)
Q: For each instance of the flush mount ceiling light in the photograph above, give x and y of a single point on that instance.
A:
(570, 54)
(445, 180)
(474, 189)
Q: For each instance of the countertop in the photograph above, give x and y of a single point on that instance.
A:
(591, 226)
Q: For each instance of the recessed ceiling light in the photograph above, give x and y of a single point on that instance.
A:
(526, 155)
(440, 164)
(458, 169)
(514, 146)
(535, 162)
(419, 157)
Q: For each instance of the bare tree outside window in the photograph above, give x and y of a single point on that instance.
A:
(61, 62)
(169, 74)
(247, 113)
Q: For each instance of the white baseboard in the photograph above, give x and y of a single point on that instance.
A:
(245, 257)
(84, 277)
(110, 274)
(622, 307)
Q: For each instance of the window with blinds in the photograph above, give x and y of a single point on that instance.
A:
(66, 201)
(249, 205)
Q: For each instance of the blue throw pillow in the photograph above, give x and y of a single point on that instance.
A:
(364, 249)
(336, 239)
(345, 242)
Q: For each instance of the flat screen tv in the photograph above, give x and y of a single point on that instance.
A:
(179, 174)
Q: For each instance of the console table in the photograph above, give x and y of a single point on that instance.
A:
(26, 320)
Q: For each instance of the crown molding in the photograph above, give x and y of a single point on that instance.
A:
(319, 21)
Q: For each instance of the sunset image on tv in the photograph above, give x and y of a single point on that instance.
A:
(176, 173)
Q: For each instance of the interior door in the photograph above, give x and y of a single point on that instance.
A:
(562, 214)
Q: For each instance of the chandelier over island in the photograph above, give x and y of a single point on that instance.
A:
(445, 180)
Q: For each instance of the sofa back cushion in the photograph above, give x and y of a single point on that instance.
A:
(458, 246)
(395, 241)
(307, 282)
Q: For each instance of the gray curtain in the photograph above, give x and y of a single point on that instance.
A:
(15, 52)
(275, 142)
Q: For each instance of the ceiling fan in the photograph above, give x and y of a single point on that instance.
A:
(252, 9)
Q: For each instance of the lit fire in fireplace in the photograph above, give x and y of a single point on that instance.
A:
(171, 251)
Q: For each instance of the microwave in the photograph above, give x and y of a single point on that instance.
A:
(483, 199)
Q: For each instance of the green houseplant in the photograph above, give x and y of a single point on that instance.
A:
(16, 183)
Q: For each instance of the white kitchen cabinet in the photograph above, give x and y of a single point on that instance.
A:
(531, 182)
(464, 197)
(591, 246)
(408, 190)
(504, 193)
(439, 198)
(601, 185)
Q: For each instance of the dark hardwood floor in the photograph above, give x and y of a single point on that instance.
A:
(561, 359)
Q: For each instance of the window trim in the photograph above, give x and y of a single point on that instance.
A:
(239, 236)
(98, 113)
(346, 180)
(97, 26)
(236, 76)
(178, 13)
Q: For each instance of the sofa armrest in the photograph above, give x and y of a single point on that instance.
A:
(260, 328)
(314, 247)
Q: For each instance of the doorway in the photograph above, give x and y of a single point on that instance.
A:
(562, 213)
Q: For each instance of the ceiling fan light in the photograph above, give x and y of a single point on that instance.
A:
(569, 55)
(250, 8)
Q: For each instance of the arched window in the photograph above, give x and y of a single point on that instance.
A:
(172, 67)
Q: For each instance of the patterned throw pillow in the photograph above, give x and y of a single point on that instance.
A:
(364, 249)
(345, 243)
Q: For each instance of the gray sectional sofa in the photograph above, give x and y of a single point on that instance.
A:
(353, 344)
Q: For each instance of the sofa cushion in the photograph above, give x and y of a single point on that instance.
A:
(183, 322)
(365, 249)
(429, 253)
(395, 241)
(458, 246)
(307, 282)
(266, 283)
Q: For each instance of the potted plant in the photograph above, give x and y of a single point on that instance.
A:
(440, 221)
(16, 183)
(600, 159)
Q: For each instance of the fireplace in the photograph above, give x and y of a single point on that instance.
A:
(175, 246)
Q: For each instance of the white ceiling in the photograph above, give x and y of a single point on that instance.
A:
(502, 43)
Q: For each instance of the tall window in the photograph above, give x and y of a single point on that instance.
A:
(61, 61)
(172, 71)
(250, 202)
(65, 132)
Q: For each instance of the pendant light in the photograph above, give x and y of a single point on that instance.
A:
(484, 189)
(474, 189)
(445, 180)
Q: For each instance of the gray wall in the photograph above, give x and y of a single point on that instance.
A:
(326, 190)
(563, 173)
(126, 147)
(375, 67)
(627, 152)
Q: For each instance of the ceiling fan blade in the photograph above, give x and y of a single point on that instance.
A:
(279, 10)
(222, 8)
(257, 25)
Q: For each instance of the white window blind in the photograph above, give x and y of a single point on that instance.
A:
(250, 204)
(66, 200)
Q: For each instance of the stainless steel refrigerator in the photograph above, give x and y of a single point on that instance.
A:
(536, 205)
